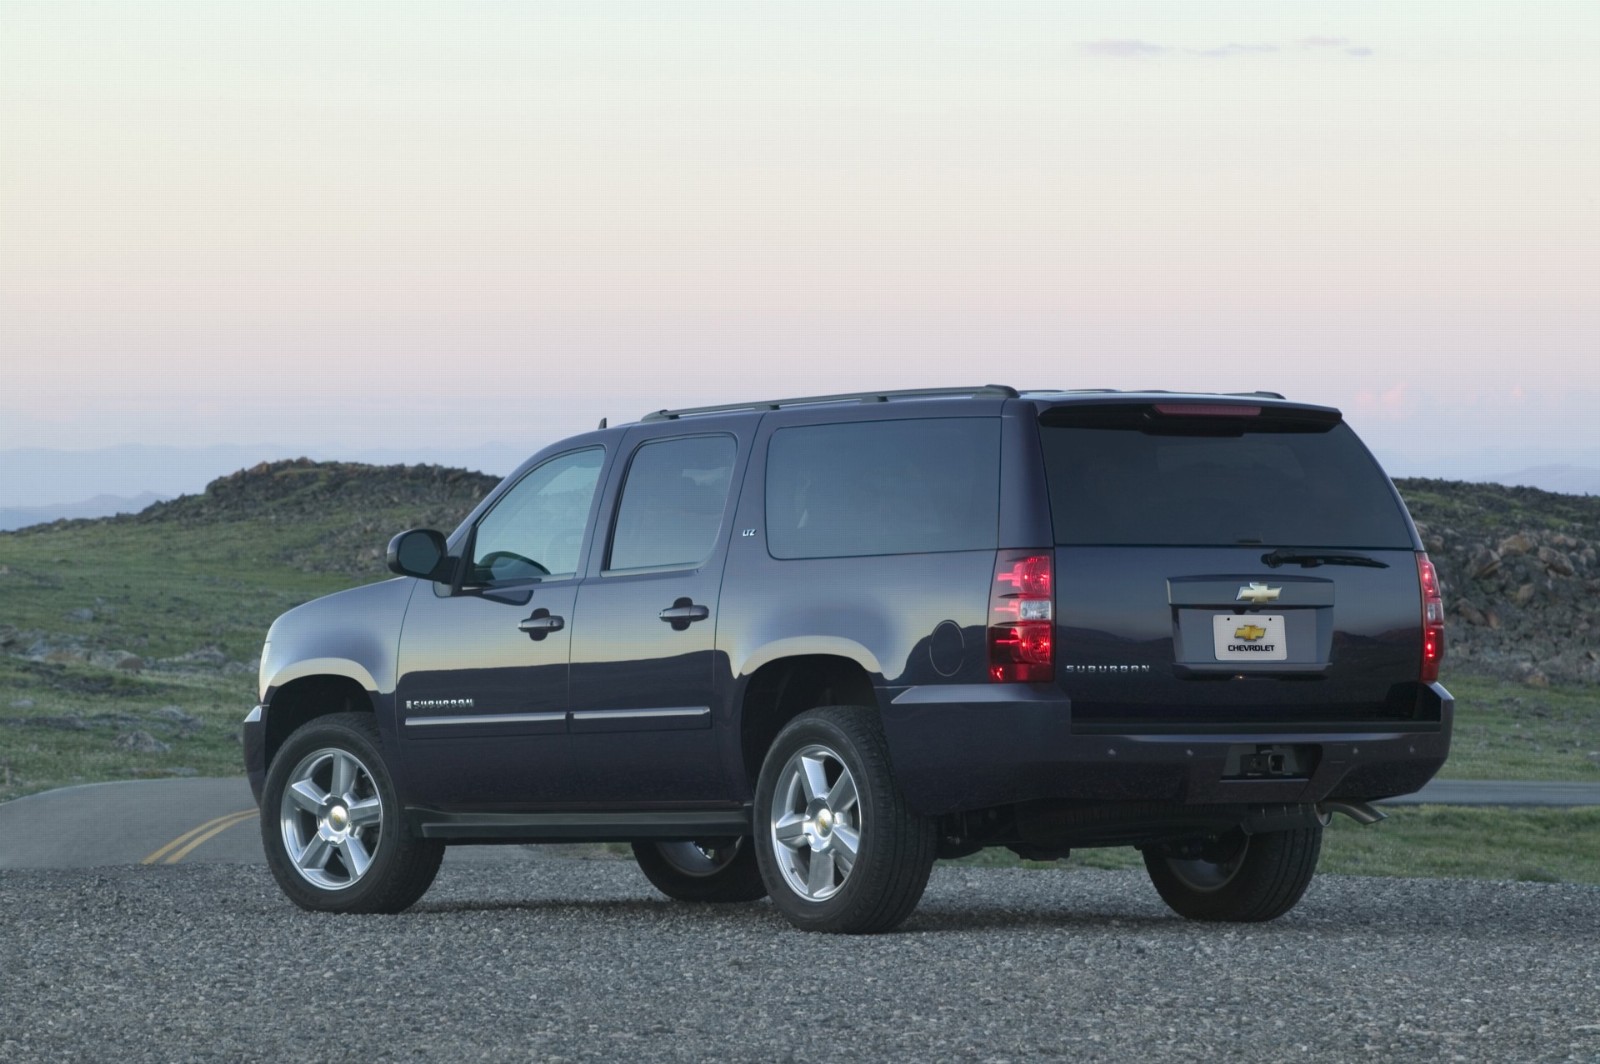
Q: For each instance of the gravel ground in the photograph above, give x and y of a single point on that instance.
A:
(551, 957)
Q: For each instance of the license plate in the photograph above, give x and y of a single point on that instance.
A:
(1249, 637)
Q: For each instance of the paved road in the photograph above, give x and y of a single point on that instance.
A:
(556, 959)
(149, 822)
(213, 821)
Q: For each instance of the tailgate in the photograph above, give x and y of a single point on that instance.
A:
(1164, 637)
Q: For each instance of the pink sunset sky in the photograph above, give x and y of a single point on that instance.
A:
(352, 225)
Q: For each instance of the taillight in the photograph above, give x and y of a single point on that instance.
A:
(1022, 618)
(1432, 619)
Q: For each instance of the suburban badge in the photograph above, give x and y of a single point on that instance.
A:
(1254, 592)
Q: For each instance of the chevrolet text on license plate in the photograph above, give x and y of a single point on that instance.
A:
(1249, 637)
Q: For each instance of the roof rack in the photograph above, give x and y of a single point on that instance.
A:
(998, 390)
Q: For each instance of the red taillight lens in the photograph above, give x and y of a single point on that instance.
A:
(1432, 619)
(1022, 618)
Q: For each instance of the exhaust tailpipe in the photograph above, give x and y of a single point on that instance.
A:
(1360, 812)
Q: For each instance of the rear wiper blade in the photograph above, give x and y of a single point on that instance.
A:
(1311, 561)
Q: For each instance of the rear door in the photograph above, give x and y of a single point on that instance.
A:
(1228, 563)
(642, 674)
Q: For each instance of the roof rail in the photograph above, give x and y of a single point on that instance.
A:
(998, 390)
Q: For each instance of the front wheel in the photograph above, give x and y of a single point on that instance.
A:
(331, 823)
(709, 870)
(838, 847)
(1238, 877)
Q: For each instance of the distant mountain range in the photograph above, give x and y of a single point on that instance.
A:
(1564, 479)
(99, 506)
(51, 482)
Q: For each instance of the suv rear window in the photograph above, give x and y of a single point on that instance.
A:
(1141, 481)
(883, 487)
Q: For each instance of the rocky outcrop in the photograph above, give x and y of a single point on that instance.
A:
(1521, 577)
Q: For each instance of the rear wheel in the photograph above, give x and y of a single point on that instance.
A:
(1237, 877)
(710, 870)
(838, 847)
(331, 823)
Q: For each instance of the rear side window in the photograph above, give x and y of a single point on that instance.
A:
(672, 502)
(883, 487)
(1266, 484)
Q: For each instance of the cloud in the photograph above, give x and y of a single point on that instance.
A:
(1125, 49)
(1133, 48)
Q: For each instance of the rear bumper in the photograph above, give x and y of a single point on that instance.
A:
(963, 747)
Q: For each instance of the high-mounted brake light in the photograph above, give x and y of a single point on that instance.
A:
(1022, 618)
(1432, 619)
(1208, 410)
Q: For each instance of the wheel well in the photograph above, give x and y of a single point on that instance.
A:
(306, 699)
(781, 690)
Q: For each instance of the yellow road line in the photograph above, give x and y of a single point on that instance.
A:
(184, 844)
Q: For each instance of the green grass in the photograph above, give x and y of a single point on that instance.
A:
(61, 724)
(1509, 731)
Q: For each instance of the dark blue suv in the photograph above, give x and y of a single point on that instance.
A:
(803, 648)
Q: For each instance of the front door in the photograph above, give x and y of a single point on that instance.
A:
(482, 690)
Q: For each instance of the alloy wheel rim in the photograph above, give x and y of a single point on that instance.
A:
(331, 818)
(816, 823)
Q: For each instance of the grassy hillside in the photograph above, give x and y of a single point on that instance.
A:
(128, 645)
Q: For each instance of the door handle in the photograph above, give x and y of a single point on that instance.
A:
(540, 624)
(683, 613)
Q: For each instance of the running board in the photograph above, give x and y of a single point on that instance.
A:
(578, 827)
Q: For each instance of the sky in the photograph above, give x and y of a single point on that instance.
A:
(343, 225)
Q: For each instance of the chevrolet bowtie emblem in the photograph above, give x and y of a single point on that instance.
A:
(1249, 631)
(1254, 592)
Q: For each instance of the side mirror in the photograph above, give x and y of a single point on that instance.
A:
(419, 552)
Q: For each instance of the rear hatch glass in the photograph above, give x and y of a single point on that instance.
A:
(1133, 476)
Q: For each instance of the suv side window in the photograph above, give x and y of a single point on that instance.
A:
(536, 529)
(672, 502)
(883, 487)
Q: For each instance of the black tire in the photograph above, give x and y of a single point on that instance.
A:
(1249, 878)
(712, 870)
(316, 846)
(802, 840)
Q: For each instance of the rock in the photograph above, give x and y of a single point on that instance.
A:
(1484, 564)
(117, 659)
(1523, 595)
(1555, 561)
(66, 656)
(176, 715)
(140, 742)
(1519, 543)
(1470, 613)
(1536, 679)
(1491, 618)
(82, 613)
(206, 655)
(9, 635)
(22, 703)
